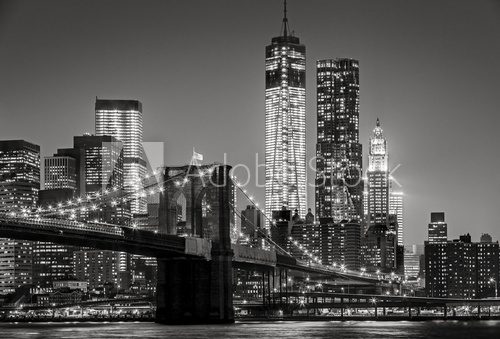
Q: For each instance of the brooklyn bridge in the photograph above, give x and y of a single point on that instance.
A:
(198, 272)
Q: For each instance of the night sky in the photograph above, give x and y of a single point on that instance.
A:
(429, 69)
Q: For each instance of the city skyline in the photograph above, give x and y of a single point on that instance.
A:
(432, 171)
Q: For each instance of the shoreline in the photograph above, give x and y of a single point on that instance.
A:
(264, 319)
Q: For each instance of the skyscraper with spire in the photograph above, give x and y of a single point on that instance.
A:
(339, 186)
(378, 178)
(285, 154)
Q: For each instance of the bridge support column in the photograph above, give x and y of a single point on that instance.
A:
(195, 291)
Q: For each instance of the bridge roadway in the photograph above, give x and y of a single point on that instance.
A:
(132, 240)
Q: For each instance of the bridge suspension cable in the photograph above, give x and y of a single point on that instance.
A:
(338, 268)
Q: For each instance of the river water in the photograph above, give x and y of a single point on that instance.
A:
(261, 330)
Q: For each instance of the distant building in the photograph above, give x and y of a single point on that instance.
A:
(341, 244)
(71, 284)
(487, 268)
(63, 181)
(103, 169)
(378, 249)
(396, 207)
(282, 229)
(339, 159)
(51, 262)
(60, 172)
(485, 237)
(438, 229)
(307, 235)
(19, 175)
(19, 187)
(252, 220)
(99, 268)
(285, 122)
(461, 268)
(412, 261)
(324, 242)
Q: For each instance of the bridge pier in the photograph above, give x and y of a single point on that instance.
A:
(195, 291)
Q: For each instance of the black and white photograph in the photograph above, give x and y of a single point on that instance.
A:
(249, 169)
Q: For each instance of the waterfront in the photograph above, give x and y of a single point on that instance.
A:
(347, 329)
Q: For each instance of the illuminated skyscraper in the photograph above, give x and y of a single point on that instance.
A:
(19, 187)
(339, 186)
(122, 119)
(285, 154)
(378, 178)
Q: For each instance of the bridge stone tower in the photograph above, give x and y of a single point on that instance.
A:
(197, 290)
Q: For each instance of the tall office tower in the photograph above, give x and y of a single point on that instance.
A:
(19, 186)
(396, 208)
(438, 229)
(122, 119)
(285, 155)
(378, 178)
(339, 185)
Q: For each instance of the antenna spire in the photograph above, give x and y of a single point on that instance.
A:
(285, 20)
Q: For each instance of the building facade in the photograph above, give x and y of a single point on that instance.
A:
(339, 185)
(396, 208)
(252, 223)
(461, 269)
(122, 119)
(412, 260)
(285, 123)
(53, 262)
(103, 168)
(19, 188)
(378, 249)
(97, 268)
(60, 173)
